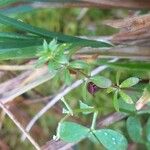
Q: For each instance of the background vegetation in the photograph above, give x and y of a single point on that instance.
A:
(80, 22)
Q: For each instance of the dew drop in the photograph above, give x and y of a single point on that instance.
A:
(113, 139)
(114, 142)
(105, 133)
(20, 20)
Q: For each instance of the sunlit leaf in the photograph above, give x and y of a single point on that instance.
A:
(125, 97)
(101, 81)
(84, 90)
(115, 101)
(110, 139)
(129, 82)
(78, 64)
(67, 77)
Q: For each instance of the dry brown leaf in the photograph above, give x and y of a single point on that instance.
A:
(133, 30)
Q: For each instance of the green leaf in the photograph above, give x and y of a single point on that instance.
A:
(19, 53)
(110, 89)
(125, 107)
(85, 106)
(53, 66)
(125, 97)
(110, 139)
(63, 59)
(18, 44)
(78, 64)
(45, 45)
(118, 77)
(115, 101)
(84, 90)
(47, 34)
(67, 77)
(134, 129)
(148, 130)
(147, 146)
(6, 2)
(41, 61)
(17, 37)
(53, 45)
(101, 81)
(129, 82)
(72, 132)
(135, 65)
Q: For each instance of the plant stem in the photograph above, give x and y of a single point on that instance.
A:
(67, 106)
(94, 120)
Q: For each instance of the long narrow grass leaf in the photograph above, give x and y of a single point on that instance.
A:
(47, 34)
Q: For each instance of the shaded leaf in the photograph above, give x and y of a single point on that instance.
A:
(134, 129)
(85, 106)
(136, 65)
(148, 130)
(125, 107)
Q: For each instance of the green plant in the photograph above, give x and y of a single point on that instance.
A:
(67, 58)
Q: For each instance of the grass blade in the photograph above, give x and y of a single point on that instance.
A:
(47, 34)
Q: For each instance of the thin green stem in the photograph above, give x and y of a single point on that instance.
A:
(67, 106)
(94, 120)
